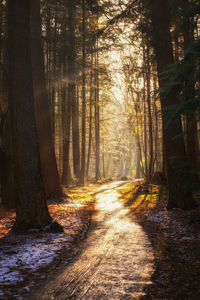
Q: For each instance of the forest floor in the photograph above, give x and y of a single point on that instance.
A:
(174, 236)
(26, 259)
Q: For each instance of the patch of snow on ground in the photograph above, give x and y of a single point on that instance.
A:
(13, 277)
(1, 294)
(161, 217)
(23, 257)
(172, 221)
(31, 255)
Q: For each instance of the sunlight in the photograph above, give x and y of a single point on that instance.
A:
(94, 94)
(119, 226)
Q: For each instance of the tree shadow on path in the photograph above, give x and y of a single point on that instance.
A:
(177, 264)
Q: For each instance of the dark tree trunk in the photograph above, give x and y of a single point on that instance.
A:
(31, 211)
(97, 128)
(48, 65)
(8, 184)
(83, 96)
(90, 118)
(150, 125)
(191, 124)
(66, 103)
(138, 165)
(145, 132)
(47, 154)
(72, 91)
(174, 146)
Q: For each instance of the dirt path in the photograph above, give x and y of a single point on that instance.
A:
(116, 261)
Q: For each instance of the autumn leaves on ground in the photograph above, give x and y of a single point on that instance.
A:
(175, 239)
(174, 236)
(28, 257)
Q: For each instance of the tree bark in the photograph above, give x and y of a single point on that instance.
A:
(174, 146)
(146, 57)
(72, 91)
(8, 184)
(66, 102)
(97, 115)
(191, 124)
(90, 117)
(49, 169)
(31, 210)
(83, 96)
(145, 131)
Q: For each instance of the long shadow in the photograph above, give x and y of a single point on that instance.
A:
(108, 189)
(132, 200)
(174, 277)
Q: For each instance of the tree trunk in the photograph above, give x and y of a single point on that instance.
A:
(66, 104)
(72, 90)
(145, 131)
(83, 96)
(148, 86)
(8, 184)
(90, 117)
(97, 128)
(42, 112)
(191, 124)
(174, 146)
(31, 210)
(138, 165)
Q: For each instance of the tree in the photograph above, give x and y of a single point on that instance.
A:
(31, 210)
(66, 100)
(71, 59)
(189, 88)
(47, 154)
(97, 116)
(83, 94)
(174, 146)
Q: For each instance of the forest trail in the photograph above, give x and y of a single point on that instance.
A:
(116, 261)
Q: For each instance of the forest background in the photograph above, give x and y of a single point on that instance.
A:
(97, 89)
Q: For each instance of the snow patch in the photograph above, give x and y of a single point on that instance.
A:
(1, 294)
(14, 276)
(31, 255)
(173, 220)
(161, 217)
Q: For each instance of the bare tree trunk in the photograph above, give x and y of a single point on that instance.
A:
(31, 210)
(191, 124)
(52, 72)
(49, 169)
(145, 133)
(138, 165)
(90, 117)
(83, 96)
(174, 146)
(66, 104)
(148, 80)
(8, 185)
(72, 91)
(156, 161)
(48, 67)
(97, 128)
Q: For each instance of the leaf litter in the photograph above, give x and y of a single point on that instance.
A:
(25, 259)
(175, 237)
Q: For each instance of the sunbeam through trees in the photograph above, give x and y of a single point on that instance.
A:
(93, 91)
